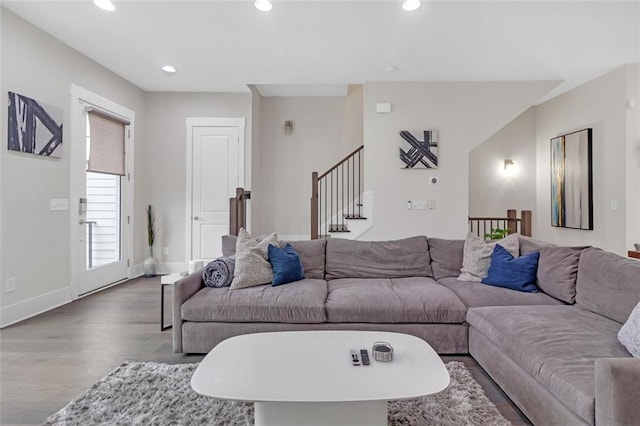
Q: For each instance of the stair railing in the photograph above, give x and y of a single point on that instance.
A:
(336, 195)
(482, 226)
(238, 211)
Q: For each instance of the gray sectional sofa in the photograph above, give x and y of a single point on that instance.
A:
(555, 352)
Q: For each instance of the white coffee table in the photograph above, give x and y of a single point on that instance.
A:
(306, 377)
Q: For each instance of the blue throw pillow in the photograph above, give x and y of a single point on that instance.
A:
(286, 264)
(516, 273)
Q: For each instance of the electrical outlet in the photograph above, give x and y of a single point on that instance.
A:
(10, 285)
(165, 251)
(614, 205)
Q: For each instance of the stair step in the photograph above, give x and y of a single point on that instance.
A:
(354, 217)
(338, 228)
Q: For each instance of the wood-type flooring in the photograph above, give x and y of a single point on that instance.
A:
(49, 359)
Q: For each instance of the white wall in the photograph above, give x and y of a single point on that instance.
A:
(165, 159)
(325, 129)
(601, 105)
(633, 156)
(35, 241)
(491, 192)
(465, 115)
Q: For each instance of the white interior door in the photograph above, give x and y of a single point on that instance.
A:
(100, 203)
(217, 158)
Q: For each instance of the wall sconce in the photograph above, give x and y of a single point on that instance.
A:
(288, 127)
(509, 168)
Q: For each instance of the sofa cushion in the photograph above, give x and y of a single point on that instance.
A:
(475, 294)
(378, 259)
(392, 300)
(312, 255)
(528, 244)
(229, 245)
(558, 271)
(515, 273)
(556, 345)
(311, 252)
(446, 257)
(477, 255)
(302, 302)
(608, 284)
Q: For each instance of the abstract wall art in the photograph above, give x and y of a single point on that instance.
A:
(572, 180)
(419, 149)
(34, 127)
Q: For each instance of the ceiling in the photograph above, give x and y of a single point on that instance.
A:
(225, 45)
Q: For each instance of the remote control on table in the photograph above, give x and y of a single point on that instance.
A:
(365, 357)
(355, 358)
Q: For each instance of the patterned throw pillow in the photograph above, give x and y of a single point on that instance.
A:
(252, 267)
(629, 334)
(477, 255)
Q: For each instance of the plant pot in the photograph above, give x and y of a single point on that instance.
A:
(150, 265)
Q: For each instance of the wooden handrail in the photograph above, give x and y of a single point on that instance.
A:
(341, 161)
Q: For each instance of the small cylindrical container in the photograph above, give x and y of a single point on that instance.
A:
(382, 351)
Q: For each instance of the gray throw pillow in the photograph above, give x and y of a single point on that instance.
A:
(252, 265)
(558, 272)
(477, 255)
(629, 334)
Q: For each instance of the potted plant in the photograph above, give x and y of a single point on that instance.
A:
(496, 234)
(150, 264)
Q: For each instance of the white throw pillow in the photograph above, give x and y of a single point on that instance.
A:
(629, 334)
(252, 264)
(477, 255)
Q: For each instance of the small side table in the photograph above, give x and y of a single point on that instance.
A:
(167, 280)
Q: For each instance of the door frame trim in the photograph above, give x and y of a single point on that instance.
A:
(80, 96)
(207, 122)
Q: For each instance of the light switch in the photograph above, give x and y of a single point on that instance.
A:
(58, 204)
(614, 205)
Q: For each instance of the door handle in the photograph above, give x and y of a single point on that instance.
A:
(196, 218)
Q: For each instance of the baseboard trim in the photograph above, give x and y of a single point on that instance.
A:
(162, 269)
(35, 306)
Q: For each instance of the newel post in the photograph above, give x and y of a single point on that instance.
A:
(512, 223)
(526, 223)
(314, 205)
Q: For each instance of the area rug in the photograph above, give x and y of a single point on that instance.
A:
(148, 393)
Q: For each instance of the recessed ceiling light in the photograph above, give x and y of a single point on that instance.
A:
(168, 69)
(411, 5)
(105, 5)
(263, 5)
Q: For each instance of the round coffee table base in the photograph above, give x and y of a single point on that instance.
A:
(362, 413)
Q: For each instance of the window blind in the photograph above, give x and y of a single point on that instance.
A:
(106, 144)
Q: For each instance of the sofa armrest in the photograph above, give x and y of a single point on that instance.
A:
(617, 391)
(182, 290)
